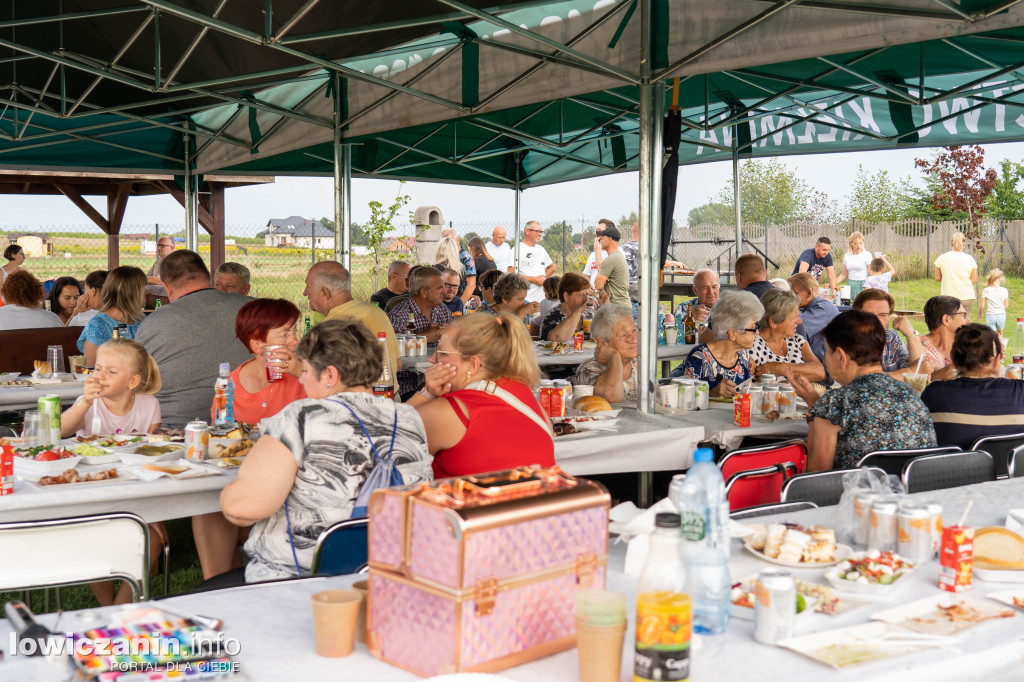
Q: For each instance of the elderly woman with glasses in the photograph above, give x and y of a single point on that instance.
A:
(612, 371)
(943, 315)
(778, 347)
(725, 362)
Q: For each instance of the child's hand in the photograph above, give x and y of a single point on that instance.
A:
(93, 389)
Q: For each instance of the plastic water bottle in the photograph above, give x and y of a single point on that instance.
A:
(661, 331)
(1018, 341)
(636, 311)
(699, 495)
(224, 397)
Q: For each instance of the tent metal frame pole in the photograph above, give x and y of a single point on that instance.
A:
(191, 201)
(737, 212)
(342, 186)
(517, 190)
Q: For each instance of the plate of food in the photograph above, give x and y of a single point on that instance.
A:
(795, 546)
(998, 555)
(227, 453)
(178, 468)
(856, 644)
(826, 601)
(1013, 598)
(743, 600)
(943, 614)
(870, 572)
(73, 477)
(150, 452)
(116, 440)
(42, 460)
(93, 454)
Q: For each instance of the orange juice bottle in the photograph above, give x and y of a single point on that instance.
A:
(664, 611)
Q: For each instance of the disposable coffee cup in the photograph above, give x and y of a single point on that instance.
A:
(335, 614)
(580, 390)
(362, 587)
(600, 633)
(669, 396)
(671, 337)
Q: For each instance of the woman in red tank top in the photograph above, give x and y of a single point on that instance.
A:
(478, 405)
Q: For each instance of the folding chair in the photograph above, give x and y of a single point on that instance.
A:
(793, 452)
(342, 549)
(1015, 465)
(1000, 448)
(74, 551)
(934, 472)
(766, 509)
(757, 486)
(892, 461)
(823, 488)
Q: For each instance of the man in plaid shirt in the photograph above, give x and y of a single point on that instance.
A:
(429, 314)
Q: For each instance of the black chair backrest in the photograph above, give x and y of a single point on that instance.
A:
(892, 461)
(823, 488)
(1015, 463)
(1000, 447)
(774, 508)
(933, 472)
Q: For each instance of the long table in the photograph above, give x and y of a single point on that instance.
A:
(273, 623)
(721, 430)
(27, 397)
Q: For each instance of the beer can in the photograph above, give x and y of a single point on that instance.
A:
(862, 500)
(935, 511)
(421, 346)
(49, 419)
(770, 399)
(787, 400)
(956, 555)
(774, 606)
(768, 380)
(756, 393)
(703, 391)
(741, 409)
(1015, 371)
(6, 469)
(687, 395)
(197, 440)
(882, 524)
(577, 340)
(914, 532)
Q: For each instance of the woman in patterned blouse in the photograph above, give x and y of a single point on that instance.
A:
(872, 411)
(725, 362)
(778, 347)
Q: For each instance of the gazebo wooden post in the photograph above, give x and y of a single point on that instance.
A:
(117, 202)
(217, 246)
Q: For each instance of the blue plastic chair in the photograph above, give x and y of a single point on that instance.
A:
(342, 549)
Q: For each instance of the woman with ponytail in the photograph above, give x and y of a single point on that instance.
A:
(478, 405)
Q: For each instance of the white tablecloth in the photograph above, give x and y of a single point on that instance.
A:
(274, 625)
(720, 429)
(27, 397)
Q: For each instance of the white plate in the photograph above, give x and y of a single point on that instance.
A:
(121, 439)
(574, 415)
(842, 551)
(574, 436)
(877, 589)
(195, 470)
(108, 458)
(128, 456)
(1007, 597)
(34, 469)
(739, 530)
(857, 643)
(123, 476)
(747, 613)
(905, 615)
(226, 442)
(992, 575)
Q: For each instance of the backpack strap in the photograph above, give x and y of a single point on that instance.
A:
(512, 401)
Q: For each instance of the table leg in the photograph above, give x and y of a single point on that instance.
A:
(666, 367)
(646, 489)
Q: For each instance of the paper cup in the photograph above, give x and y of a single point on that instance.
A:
(918, 382)
(362, 587)
(581, 390)
(671, 336)
(669, 396)
(335, 613)
(600, 651)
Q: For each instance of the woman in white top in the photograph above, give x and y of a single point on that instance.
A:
(89, 303)
(958, 273)
(24, 296)
(15, 256)
(778, 346)
(855, 264)
(995, 299)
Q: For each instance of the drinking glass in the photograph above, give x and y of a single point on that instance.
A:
(55, 358)
(31, 429)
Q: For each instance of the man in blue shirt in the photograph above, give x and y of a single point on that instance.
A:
(815, 312)
(817, 261)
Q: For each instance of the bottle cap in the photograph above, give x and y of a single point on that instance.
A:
(382, 335)
(667, 520)
(703, 455)
(225, 367)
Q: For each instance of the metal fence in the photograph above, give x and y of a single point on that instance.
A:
(279, 271)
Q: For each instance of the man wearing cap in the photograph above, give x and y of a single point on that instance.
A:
(613, 277)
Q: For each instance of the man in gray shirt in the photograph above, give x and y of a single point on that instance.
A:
(190, 338)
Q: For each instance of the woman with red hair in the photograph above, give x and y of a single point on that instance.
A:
(260, 323)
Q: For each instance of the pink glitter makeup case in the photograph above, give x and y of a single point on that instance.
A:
(480, 573)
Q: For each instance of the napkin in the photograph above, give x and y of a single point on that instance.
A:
(1015, 521)
(194, 470)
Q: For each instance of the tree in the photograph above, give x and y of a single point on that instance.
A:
(358, 238)
(819, 208)
(1007, 198)
(876, 198)
(379, 226)
(711, 213)
(769, 191)
(625, 225)
(961, 182)
(466, 237)
(555, 237)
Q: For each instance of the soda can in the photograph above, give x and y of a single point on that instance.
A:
(914, 532)
(862, 501)
(935, 512)
(770, 399)
(787, 400)
(421, 346)
(756, 393)
(956, 555)
(741, 409)
(703, 392)
(6, 469)
(49, 420)
(577, 340)
(197, 440)
(768, 380)
(547, 386)
(1018, 359)
(882, 524)
(1015, 371)
(687, 395)
(774, 606)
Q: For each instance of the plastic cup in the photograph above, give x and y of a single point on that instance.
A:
(671, 336)
(580, 390)
(76, 361)
(600, 633)
(55, 359)
(363, 588)
(668, 396)
(274, 371)
(335, 613)
(918, 382)
(30, 430)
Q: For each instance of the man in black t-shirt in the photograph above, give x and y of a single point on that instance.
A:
(817, 261)
(398, 283)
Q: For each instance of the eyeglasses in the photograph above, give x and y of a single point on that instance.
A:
(537, 231)
(748, 330)
(883, 316)
(960, 312)
(451, 286)
(446, 352)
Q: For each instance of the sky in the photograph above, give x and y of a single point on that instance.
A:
(607, 197)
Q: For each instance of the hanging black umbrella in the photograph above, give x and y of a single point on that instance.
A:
(669, 174)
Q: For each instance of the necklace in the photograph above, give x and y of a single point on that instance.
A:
(268, 393)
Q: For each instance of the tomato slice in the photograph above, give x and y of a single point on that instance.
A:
(47, 456)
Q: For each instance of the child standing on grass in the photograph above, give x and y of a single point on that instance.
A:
(995, 299)
(880, 273)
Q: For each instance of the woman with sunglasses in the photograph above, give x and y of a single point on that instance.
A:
(725, 362)
(943, 315)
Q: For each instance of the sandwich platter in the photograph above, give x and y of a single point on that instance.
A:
(795, 546)
(841, 553)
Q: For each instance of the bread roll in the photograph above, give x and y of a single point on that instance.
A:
(998, 549)
(591, 403)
